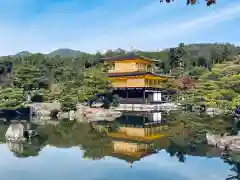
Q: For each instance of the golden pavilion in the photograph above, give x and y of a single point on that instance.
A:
(134, 80)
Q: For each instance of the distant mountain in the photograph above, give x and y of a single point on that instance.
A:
(23, 53)
(65, 52)
(201, 49)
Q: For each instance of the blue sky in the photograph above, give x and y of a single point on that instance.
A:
(91, 25)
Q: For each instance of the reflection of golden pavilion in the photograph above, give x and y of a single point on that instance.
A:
(133, 150)
(128, 147)
(140, 126)
(136, 134)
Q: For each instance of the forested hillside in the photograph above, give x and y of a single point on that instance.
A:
(71, 76)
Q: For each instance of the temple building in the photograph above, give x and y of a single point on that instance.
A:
(130, 150)
(140, 126)
(137, 135)
(134, 80)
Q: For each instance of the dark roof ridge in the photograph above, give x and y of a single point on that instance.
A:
(136, 73)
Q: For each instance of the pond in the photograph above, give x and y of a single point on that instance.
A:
(69, 150)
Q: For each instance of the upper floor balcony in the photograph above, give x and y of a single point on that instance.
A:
(130, 63)
(118, 67)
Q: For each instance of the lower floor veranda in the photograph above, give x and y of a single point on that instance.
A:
(144, 95)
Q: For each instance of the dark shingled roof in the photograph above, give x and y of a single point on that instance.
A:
(136, 73)
(130, 56)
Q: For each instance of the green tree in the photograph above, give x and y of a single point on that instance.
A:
(214, 55)
(166, 66)
(68, 103)
(226, 52)
(81, 77)
(202, 61)
(95, 82)
(173, 58)
(11, 98)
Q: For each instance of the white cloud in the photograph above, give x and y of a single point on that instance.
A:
(170, 31)
(107, 27)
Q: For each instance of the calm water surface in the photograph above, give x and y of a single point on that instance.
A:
(62, 164)
(75, 152)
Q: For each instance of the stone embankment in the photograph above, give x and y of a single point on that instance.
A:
(82, 113)
(100, 114)
(44, 110)
(224, 142)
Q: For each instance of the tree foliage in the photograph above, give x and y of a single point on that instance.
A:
(66, 79)
(192, 2)
(187, 82)
(80, 78)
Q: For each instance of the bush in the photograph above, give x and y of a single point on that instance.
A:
(37, 98)
(68, 103)
(11, 98)
(115, 100)
(224, 104)
(198, 71)
(106, 103)
(215, 76)
(231, 70)
(236, 101)
(53, 113)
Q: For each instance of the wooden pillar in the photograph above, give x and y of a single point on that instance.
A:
(28, 126)
(144, 117)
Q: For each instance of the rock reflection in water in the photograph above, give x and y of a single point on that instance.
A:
(26, 149)
(15, 146)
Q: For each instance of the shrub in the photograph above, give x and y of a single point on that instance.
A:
(215, 76)
(115, 100)
(198, 71)
(54, 112)
(231, 70)
(68, 103)
(37, 98)
(236, 101)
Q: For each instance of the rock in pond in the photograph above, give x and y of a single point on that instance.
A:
(15, 132)
(214, 111)
(224, 142)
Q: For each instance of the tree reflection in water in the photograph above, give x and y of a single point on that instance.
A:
(96, 145)
(69, 134)
(27, 149)
(234, 161)
(176, 150)
(64, 135)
